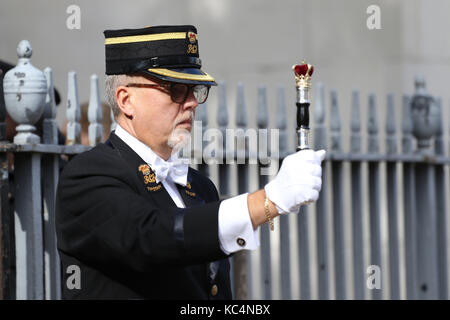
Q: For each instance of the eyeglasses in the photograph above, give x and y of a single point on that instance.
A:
(178, 91)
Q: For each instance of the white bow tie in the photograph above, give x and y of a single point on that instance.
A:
(177, 170)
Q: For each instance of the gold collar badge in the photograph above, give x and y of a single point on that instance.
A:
(145, 169)
(189, 193)
(149, 178)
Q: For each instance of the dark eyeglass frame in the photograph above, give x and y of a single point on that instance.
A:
(170, 86)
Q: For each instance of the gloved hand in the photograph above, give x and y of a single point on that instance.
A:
(298, 181)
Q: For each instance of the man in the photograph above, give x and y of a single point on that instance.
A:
(130, 214)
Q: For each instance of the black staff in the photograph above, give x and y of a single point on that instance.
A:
(303, 74)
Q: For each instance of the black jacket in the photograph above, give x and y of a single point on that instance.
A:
(127, 235)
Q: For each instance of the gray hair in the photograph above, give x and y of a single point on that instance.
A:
(111, 84)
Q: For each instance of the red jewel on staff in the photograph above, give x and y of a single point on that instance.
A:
(302, 69)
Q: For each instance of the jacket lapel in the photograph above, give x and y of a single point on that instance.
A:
(191, 197)
(148, 185)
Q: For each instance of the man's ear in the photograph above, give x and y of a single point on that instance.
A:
(124, 101)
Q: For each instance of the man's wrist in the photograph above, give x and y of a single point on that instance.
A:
(256, 208)
(274, 209)
(268, 214)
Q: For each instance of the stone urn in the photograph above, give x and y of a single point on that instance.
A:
(425, 115)
(25, 90)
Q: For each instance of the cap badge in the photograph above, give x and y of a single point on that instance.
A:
(192, 49)
(192, 37)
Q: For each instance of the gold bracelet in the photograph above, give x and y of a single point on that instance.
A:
(266, 209)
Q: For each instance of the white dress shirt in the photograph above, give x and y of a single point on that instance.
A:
(235, 227)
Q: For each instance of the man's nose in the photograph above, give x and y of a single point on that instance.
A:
(191, 102)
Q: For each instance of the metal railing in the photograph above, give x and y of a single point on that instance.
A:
(378, 230)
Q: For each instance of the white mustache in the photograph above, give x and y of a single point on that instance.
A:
(190, 119)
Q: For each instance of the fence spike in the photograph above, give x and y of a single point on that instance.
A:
(281, 109)
(449, 132)
(372, 126)
(262, 149)
(222, 113)
(2, 109)
(95, 114)
(335, 124)
(407, 125)
(439, 141)
(322, 221)
(392, 200)
(406, 118)
(319, 105)
(391, 141)
(241, 123)
(285, 260)
(263, 132)
(241, 108)
(50, 166)
(439, 130)
(50, 127)
(202, 114)
(355, 140)
(113, 121)
(263, 115)
(320, 130)
(441, 203)
(243, 287)
(281, 120)
(73, 111)
(222, 121)
(199, 144)
(50, 107)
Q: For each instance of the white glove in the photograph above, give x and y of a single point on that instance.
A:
(298, 181)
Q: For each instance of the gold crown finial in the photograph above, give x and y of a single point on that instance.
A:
(303, 73)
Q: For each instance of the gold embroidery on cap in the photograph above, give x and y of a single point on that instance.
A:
(192, 49)
(192, 37)
(146, 37)
(180, 75)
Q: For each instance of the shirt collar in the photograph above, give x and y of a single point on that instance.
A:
(144, 151)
